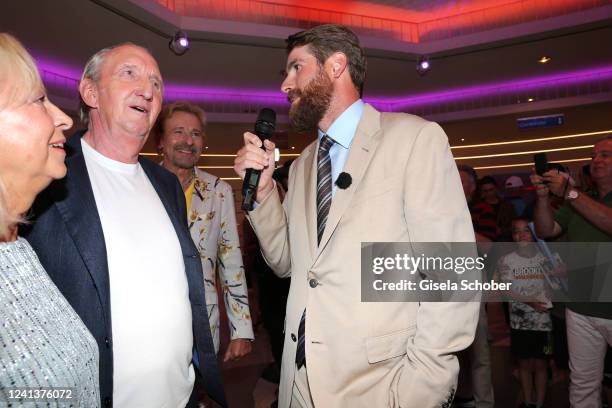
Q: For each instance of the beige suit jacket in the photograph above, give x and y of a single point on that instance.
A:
(405, 187)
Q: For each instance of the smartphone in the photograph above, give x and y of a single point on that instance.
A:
(541, 163)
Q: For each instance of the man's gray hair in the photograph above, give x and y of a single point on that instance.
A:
(92, 72)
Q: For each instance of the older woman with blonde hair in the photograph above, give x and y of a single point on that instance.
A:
(46, 351)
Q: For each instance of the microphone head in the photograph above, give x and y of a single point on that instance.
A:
(266, 123)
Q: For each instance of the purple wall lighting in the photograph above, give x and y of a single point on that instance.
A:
(208, 94)
(602, 77)
(63, 79)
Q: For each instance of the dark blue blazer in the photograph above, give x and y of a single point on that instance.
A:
(66, 233)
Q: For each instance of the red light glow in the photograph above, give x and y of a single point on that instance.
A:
(444, 20)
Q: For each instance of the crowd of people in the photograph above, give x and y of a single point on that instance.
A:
(110, 264)
(558, 206)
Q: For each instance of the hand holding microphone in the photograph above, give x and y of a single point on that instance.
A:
(255, 160)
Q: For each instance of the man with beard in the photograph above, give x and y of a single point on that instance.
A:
(179, 134)
(369, 177)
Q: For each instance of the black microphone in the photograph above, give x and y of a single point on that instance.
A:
(264, 128)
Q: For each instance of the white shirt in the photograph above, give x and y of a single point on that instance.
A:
(527, 277)
(149, 295)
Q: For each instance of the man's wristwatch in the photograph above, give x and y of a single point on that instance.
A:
(572, 194)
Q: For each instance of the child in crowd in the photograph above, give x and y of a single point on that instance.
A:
(530, 322)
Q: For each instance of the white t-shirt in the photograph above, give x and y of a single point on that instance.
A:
(527, 277)
(149, 295)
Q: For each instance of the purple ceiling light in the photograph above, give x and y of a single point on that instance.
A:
(423, 65)
(225, 95)
(501, 88)
(57, 75)
(179, 44)
(58, 69)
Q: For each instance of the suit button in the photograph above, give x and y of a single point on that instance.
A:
(313, 283)
(293, 337)
(108, 402)
(107, 342)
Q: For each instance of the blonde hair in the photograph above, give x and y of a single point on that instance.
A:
(19, 77)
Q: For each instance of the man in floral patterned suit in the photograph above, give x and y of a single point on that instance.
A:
(179, 133)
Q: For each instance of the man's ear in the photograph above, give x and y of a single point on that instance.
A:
(338, 62)
(89, 93)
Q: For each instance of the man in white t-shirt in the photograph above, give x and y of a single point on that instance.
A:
(113, 237)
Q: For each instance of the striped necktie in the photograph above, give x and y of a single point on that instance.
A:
(324, 197)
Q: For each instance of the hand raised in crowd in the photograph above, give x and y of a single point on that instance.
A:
(237, 348)
(252, 156)
(538, 182)
(552, 181)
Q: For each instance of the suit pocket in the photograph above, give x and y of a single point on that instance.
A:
(388, 346)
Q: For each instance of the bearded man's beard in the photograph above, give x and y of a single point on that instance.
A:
(314, 101)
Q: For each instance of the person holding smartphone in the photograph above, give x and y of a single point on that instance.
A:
(586, 217)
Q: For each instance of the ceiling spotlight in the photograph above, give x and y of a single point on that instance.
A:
(179, 44)
(423, 65)
(544, 59)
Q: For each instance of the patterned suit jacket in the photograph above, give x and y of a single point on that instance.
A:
(212, 225)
